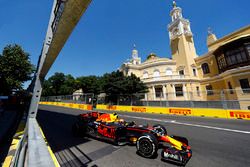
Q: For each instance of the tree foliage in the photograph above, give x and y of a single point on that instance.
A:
(116, 85)
(90, 84)
(113, 84)
(15, 68)
(59, 84)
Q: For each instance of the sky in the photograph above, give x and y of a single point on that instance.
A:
(104, 37)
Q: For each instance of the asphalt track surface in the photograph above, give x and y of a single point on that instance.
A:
(215, 142)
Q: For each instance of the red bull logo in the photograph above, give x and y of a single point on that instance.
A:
(107, 118)
(240, 115)
(104, 118)
(180, 111)
(106, 131)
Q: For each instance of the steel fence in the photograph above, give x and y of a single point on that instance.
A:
(225, 99)
(87, 98)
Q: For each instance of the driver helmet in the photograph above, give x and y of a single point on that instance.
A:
(121, 121)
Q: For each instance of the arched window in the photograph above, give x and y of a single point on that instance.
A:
(145, 75)
(194, 72)
(156, 74)
(181, 72)
(205, 68)
(169, 71)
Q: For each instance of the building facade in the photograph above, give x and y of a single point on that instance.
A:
(223, 73)
(226, 67)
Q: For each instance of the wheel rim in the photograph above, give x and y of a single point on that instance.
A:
(145, 146)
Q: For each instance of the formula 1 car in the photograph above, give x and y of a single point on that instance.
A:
(147, 139)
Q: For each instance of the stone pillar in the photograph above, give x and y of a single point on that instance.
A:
(184, 89)
(146, 96)
(146, 99)
(153, 90)
(164, 92)
(174, 93)
(169, 92)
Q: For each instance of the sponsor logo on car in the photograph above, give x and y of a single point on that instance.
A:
(106, 131)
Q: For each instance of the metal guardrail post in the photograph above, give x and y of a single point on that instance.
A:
(38, 154)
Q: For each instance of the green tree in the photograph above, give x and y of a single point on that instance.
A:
(47, 89)
(89, 84)
(59, 84)
(56, 81)
(15, 68)
(69, 85)
(117, 85)
(114, 84)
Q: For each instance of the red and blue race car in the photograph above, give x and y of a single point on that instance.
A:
(148, 139)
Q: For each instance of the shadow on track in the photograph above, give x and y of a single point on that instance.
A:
(57, 130)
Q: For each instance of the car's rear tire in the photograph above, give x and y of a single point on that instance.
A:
(161, 129)
(147, 145)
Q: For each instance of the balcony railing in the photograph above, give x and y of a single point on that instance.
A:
(168, 77)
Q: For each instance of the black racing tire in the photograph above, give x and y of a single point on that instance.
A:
(77, 130)
(147, 145)
(160, 128)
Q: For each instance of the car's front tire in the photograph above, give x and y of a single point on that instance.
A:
(147, 145)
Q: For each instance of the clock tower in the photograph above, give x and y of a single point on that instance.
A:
(182, 43)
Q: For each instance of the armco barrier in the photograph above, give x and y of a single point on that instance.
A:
(14, 143)
(69, 105)
(198, 112)
(210, 112)
(143, 109)
(56, 163)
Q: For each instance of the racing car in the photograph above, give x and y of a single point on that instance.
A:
(148, 139)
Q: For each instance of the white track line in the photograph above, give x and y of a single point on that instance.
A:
(188, 124)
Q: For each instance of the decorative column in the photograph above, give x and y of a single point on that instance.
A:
(153, 90)
(174, 93)
(164, 88)
(169, 91)
(146, 96)
(185, 91)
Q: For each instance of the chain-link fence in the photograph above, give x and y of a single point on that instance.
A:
(226, 99)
